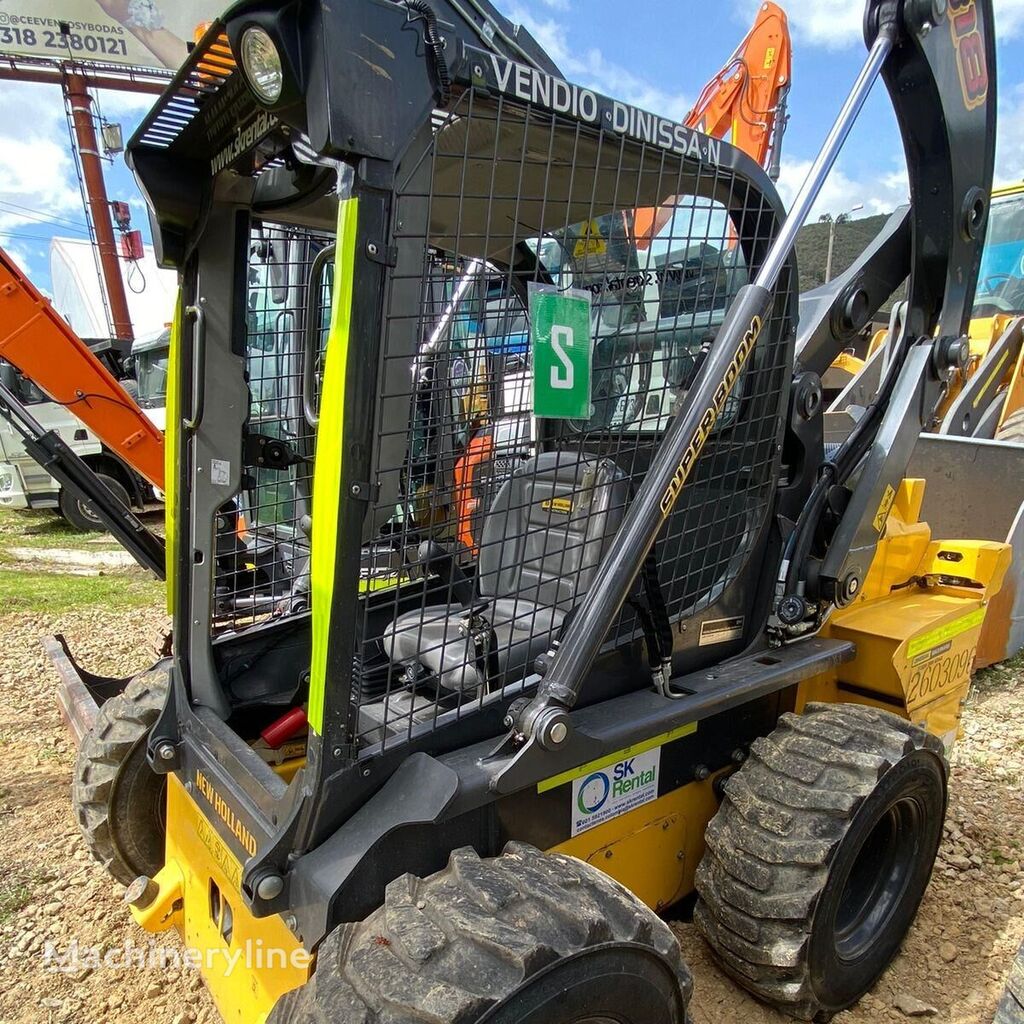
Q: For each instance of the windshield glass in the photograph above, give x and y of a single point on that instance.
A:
(660, 280)
(151, 376)
(1001, 279)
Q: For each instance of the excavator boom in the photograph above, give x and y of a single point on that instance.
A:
(745, 101)
(39, 343)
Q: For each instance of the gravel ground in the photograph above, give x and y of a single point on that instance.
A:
(955, 960)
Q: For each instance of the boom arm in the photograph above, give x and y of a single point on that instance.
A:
(36, 340)
(745, 100)
(747, 97)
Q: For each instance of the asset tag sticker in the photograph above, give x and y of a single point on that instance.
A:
(620, 787)
(220, 472)
(720, 631)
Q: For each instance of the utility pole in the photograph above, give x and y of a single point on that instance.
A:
(844, 217)
(76, 92)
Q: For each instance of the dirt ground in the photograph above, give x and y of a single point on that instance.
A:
(52, 896)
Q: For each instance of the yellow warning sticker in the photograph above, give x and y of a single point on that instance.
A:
(939, 635)
(769, 58)
(591, 244)
(563, 505)
(631, 751)
(884, 508)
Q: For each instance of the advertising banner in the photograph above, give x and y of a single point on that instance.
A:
(140, 33)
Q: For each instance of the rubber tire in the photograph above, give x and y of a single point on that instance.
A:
(119, 800)
(792, 827)
(73, 512)
(130, 386)
(1011, 1006)
(1013, 428)
(524, 938)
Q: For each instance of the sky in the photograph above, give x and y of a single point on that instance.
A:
(658, 57)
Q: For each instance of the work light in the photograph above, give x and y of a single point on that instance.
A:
(262, 64)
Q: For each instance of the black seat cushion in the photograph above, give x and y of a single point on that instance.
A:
(541, 543)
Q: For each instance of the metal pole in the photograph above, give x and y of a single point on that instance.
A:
(831, 243)
(76, 90)
(12, 73)
(808, 193)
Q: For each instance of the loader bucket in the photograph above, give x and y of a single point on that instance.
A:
(975, 488)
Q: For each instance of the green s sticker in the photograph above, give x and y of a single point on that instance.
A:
(562, 352)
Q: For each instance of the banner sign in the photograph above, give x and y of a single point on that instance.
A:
(562, 352)
(140, 33)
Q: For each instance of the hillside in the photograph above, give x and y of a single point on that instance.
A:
(852, 237)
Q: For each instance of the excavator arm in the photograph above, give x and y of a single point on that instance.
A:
(39, 343)
(747, 98)
(744, 103)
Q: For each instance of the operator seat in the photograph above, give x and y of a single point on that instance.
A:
(540, 546)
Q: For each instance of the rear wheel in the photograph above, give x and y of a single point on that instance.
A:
(524, 938)
(820, 854)
(81, 515)
(118, 799)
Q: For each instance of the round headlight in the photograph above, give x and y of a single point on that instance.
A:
(262, 64)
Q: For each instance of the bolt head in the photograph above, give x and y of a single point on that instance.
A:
(558, 732)
(270, 887)
(165, 752)
(141, 893)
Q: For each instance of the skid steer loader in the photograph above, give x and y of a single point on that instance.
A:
(690, 654)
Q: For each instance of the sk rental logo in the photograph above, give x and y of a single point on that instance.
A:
(614, 790)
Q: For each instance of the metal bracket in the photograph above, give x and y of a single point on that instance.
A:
(270, 453)
(363, 490)
(385, 255)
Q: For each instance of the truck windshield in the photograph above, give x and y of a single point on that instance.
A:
(151, 375)
(1001, 279)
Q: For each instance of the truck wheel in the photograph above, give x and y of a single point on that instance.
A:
(80, 514)
(524, 938)
(118, 799)
(818, 857)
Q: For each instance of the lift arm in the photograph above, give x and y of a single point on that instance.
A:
(39, 343)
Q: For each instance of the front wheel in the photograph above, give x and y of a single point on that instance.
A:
(820, 854)
(524, 938)
(81, 515)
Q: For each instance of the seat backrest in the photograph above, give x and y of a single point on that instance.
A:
(549, 527)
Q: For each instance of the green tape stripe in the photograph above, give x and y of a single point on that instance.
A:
(172, 427)
(602, 762)
(330, 438)
(941, 634)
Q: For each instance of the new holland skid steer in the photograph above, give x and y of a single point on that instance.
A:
(686, 652)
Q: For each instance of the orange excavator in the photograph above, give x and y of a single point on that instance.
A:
(36, 340)
(744, 104)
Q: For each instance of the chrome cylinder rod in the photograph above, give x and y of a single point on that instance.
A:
(811, 188)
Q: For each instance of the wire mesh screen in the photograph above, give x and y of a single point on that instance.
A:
(490, 522)
(263, 535)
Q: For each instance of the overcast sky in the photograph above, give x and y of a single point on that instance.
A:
(654, 53)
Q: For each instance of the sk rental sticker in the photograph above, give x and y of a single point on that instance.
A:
(605, 794)
(562, 352)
